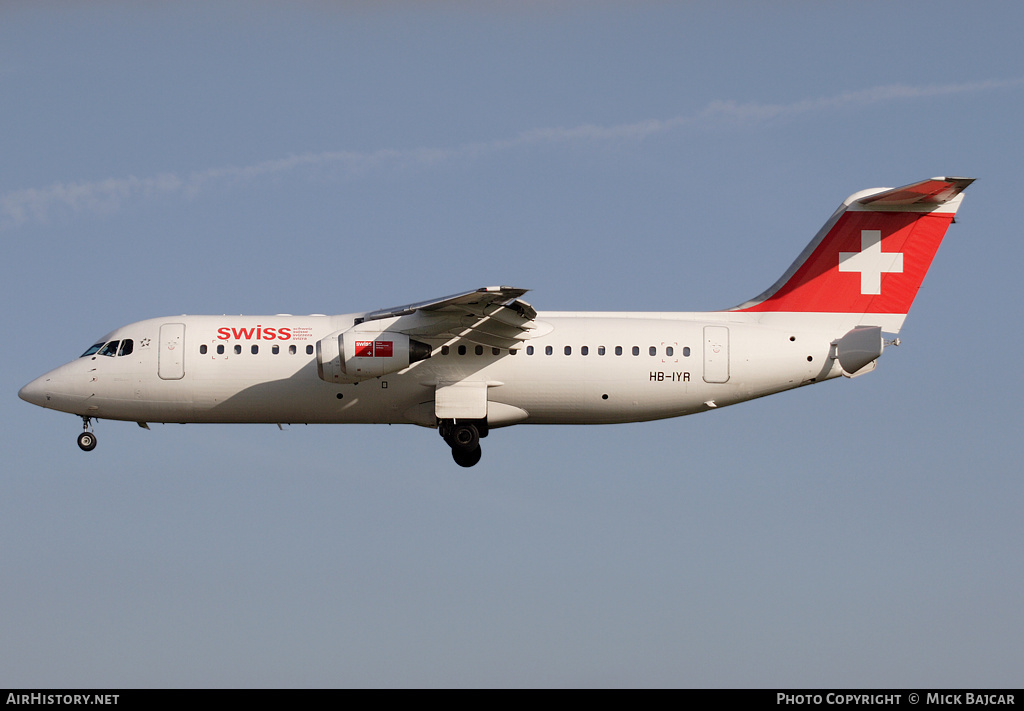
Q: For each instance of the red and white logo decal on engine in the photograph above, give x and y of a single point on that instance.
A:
(374, 349)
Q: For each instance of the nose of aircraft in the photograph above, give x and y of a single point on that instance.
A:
(35, 392)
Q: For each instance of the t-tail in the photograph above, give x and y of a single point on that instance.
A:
(865, 266)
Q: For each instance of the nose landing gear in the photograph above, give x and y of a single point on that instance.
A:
(87, 440)
(464, 439)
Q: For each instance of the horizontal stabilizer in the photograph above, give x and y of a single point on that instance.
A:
(934, 191)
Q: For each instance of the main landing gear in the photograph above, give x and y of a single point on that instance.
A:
(464, 439)
(87, 440)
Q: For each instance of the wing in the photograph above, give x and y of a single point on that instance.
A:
(493, 316)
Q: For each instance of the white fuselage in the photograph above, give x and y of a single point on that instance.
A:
(578, 368)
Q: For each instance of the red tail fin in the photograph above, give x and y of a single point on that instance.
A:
(871, 256)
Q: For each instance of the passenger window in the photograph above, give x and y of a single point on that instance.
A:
(309, 350)
(529, 350)
(238, 349)
(495, 351)
(445, 350)
(126, 347)
(202, 349)
(686, 351)
(92, 350)
(653, 350)
(462, 350)
(669, 350)
(254, 349)
(291, 350)
(618, 350)
(636, 350)
(600, 350)
(110, 349)
(568, 350)
(584, 350)
(220, 349)
(479, 350)
(275, 349)
(548, 350)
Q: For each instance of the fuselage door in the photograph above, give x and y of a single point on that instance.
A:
(171, 360)
(716, 354)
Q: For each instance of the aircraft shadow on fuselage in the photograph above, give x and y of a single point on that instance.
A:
(304, 397)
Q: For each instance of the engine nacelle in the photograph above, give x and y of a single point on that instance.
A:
(349, 356)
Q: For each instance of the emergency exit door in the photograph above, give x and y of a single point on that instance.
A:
(716, 354)
(171, 356)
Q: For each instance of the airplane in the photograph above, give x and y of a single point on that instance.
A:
(484, 359)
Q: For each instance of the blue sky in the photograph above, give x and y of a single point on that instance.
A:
(321, 157)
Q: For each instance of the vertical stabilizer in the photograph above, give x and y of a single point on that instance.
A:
(866, 264)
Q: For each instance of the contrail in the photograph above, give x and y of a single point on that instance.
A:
(107, 196)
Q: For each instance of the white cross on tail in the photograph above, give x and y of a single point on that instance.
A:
(871, 262)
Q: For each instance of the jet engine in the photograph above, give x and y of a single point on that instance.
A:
(349, 356)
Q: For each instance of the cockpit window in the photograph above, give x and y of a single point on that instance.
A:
(126, 347)
(92, 349)
(110, 349)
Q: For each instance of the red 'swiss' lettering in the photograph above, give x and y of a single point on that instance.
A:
(364, 349)
(258, 333)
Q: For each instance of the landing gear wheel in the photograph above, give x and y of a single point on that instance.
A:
(465, 437)
(466, 458)
(87, 441)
